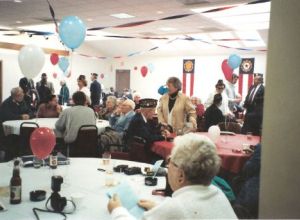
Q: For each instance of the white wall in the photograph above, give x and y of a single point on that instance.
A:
(207, 72)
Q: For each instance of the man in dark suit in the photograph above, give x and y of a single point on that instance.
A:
(141, 125)
(95, 90)
(254, 103)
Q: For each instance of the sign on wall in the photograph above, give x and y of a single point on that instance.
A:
(188, 76)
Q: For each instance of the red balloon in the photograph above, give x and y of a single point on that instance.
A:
(54, 58)
(144, 71)
(42, 142)
(227, 70)
(54, 75)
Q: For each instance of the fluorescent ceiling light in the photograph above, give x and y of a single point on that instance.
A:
(251, 35)
(167, 29)
(19, 22)
(100, 35)
(244, 19)
(202, 9)
(18, 1)
(40, 27)
(122, 15)
(241, 10)
(251, 26)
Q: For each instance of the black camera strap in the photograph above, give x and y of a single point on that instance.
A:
(64, 214)
(35, 210)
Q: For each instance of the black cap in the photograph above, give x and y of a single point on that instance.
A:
(44, 74)
(94, 74)
(220, 83)
(148, 103)
(258, 74)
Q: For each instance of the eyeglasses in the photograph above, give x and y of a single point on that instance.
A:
(169, 160)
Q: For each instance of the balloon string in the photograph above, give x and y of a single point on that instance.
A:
(71, 61)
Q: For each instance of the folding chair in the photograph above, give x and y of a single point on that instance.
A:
(86, 143)
(26, 129)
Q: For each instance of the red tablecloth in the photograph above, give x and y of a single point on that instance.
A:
(231, 161)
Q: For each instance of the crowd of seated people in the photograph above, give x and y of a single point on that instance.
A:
(132, 116)
(175, 109)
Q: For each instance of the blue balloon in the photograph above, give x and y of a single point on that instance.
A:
(63, 63)
(234, 61)
(72, 31)
(151, 67)
(163, 90)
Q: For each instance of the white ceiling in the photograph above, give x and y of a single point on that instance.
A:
(96, 13)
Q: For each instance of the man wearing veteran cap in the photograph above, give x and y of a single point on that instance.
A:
(140, 125)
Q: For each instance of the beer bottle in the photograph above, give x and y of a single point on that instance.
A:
(16, 184)
(53, 160)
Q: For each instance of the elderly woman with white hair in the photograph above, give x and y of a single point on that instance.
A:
(192, 166)
(110, 107)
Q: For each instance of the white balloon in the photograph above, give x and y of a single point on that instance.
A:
(214, 133)
(31, 60)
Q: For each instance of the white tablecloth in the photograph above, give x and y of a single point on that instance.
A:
(81, 176)
(13, 127)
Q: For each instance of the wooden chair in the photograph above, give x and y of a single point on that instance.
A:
(26, 129)
(86, 143)
(231, 126)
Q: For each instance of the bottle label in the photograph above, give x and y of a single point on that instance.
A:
(53, 161)
(15, 192)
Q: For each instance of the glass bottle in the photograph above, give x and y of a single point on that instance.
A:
(16, 184)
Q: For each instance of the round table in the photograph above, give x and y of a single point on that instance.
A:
(13, 127)
(227, 145)
(81, 176)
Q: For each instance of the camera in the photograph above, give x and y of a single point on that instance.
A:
(132, 170)
(57, 202)
(56, 182)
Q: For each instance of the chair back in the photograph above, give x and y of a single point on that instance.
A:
(230, 126)
(26, 129)
(200, 124)
(86, 143)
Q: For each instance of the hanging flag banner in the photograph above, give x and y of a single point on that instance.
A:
(188, 76)
(246, 67)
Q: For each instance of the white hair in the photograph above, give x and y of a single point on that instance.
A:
(130, 103)
(113, 99)
(14, 92)
(196, 155)
(136, 94)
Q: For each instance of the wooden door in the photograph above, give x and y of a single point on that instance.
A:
(122, 80)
